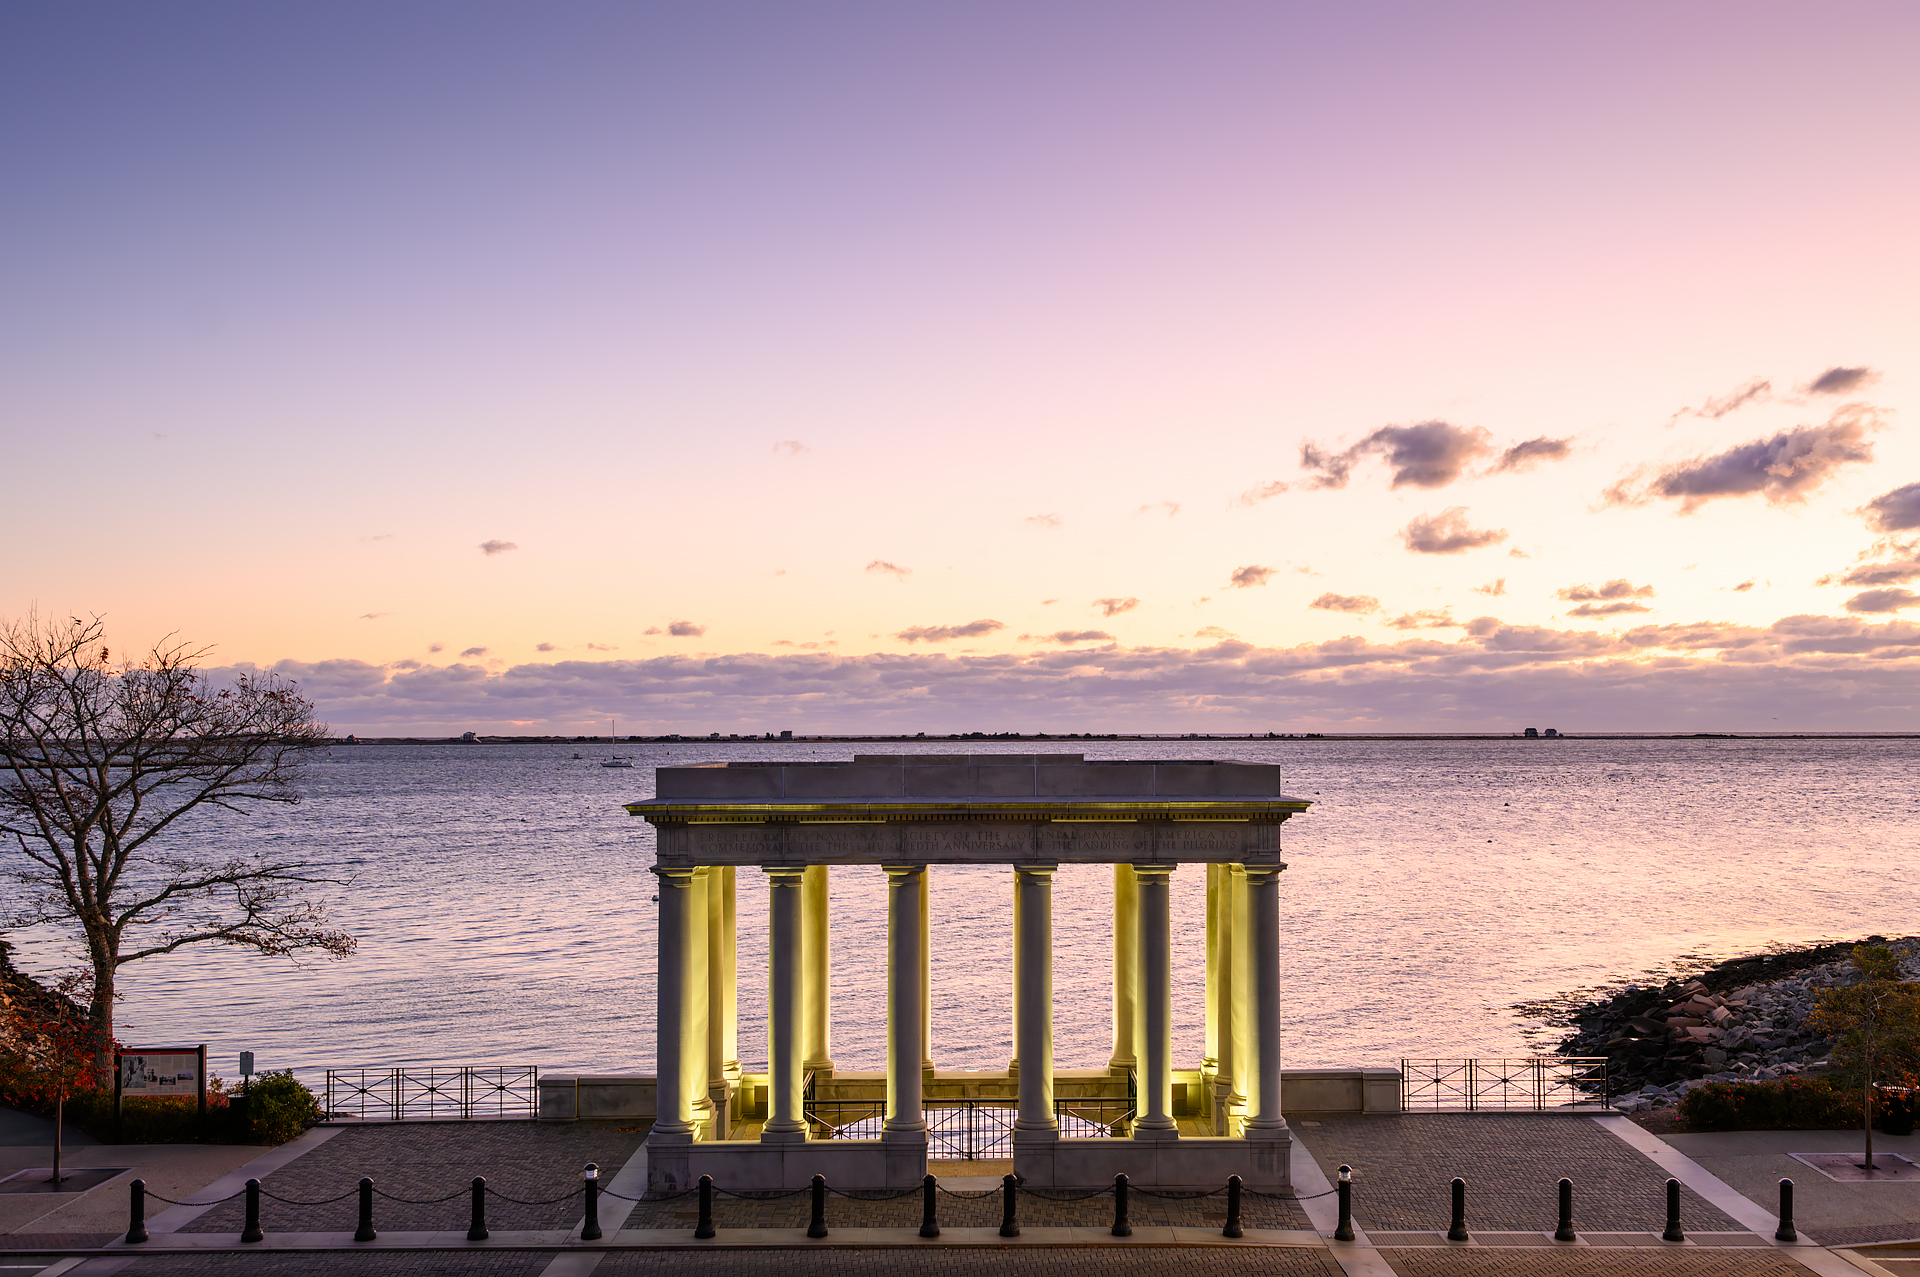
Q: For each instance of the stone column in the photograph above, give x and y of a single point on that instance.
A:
(1219, 1048)
(1263, 918)
(1126, 968)
(1013, 1061)
(699, 1014)
(1156, 1003)
(926, 983)
(1240, 1018)
(817, 996)
(1033, 1001)
(904, 1021)
(723, 1025)
(786, 1122)
(674, 976)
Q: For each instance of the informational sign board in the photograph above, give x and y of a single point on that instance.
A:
(166, 1072)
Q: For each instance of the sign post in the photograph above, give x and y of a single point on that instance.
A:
(168, 1070)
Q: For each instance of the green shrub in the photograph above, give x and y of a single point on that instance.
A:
(276, 1109)
(279, 1108)
(1789, 1104)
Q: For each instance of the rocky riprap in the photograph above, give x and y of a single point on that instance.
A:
(1743, 1020)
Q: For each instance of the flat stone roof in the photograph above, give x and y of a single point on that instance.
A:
(963, 779)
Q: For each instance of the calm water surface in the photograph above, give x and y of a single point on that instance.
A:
(500, 896)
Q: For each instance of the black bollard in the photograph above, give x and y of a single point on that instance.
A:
(136, 1212)
(1121, 1228)
(1009, 1208)
(477, 1230)
(1785, 1232)
(929, 1220)
(1673, 1233)
(1457, 1231)
(817, 1226)
(365, 1233)
(703, 1227)
(590, 1231)
(1564, 1233)
(1344, 1231)
(1233, 1208)
(250, 1231)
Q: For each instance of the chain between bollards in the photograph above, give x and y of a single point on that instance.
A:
(365, 1233)
(250, 1231)
(1344, 1232)
(1786, 1233)
(1009, 1208)
(1457, 1230)
(1121, 1228)
(477, 1230)
(590, 1178)
(136, 1212)
(1233, 1208)
(703, 1227)
(1673, 1233)
(929, 1219)
(1565, 1232)
(817, 1226)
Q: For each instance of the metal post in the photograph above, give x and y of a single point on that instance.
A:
(1785, 1232)
(365, 1233)
(817, 1226)
(1673, 1233)
(1121, 1228)
(136, 1212)
(1457, 1231)
(477, 1231)
(1009, 1208)
(1565, 1233)
(929, 1222)
(250, 1231)
(590, 1231)
(703, 1227)
(1233, 1208)
(1344, 1231)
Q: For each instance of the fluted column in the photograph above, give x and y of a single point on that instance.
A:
(1263, 917)
(673, 1074)
(904, 1021)
(1156, 1003)
(1126, 968)
(816, 982)
(1033, 999)
(786, 1122)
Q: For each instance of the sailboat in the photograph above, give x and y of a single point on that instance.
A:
(613, 739)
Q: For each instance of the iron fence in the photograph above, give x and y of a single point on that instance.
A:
(1533, 1082)
(395, 1095)
(969, 1130)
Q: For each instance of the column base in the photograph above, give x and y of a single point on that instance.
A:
(822, 1069)
(669, 1158)
(1155, 1132)
(783, 1137)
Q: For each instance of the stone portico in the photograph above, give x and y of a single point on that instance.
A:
(901, 815)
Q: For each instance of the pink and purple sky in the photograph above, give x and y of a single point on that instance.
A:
(1072, 367)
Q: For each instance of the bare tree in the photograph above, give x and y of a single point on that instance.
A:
(101, 763)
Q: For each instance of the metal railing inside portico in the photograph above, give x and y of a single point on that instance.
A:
(421, 1094)
(1535, 1083)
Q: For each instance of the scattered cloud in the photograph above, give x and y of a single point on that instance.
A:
(371, 616)
(1616, 589)
(791, 447)
(1783, 469)
(436, 647)
(1168, 508)
(1841, 381)
(1493, 589)
(894, 569)
(1905, 566)
(1357, 603)
(1427, 619)
(606, 647)
(491, 548)
(1431, 454)
(1080, 636)
(1048, 602)
(1042, 520)
(408, 664)
(1262, 492)
(384, 536)
(1517, 553)
(779, 571)
(1743, 587)
(943, 633)
(1251, 575)
(546, 647)
(1525, 456)
(1608, 609)
(1448, 533)
(1754, 391)
(1114, 607)
(1895, 511)
(474, 651)
(652, 629)
(1214, 632)
(686, 629)
(1889, 600)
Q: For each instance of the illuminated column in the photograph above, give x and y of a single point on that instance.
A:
(926, 982)
(699, 1001)
(786, 1123)
(1220, 991)
(1263, 918)
(1126, 967)
(723, 1026)
(904, 1021)
(816, 947)
(674, 1078)
(1156, 1003)
(1240, 1020)
(1033, 999)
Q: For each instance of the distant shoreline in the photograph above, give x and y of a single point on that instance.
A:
(1125, 736)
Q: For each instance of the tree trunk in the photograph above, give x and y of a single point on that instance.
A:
(103, 953)
(1866, 1106)
(59, 1119)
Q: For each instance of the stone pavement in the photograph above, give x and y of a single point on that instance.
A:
(1831, 1212)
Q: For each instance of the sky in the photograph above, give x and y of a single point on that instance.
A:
(1001, 367)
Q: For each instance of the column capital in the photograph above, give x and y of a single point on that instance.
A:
(1258, 874)
(1162, 872)
(897, 872)
(785, 875)
(1036, 870)
(674, 875)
